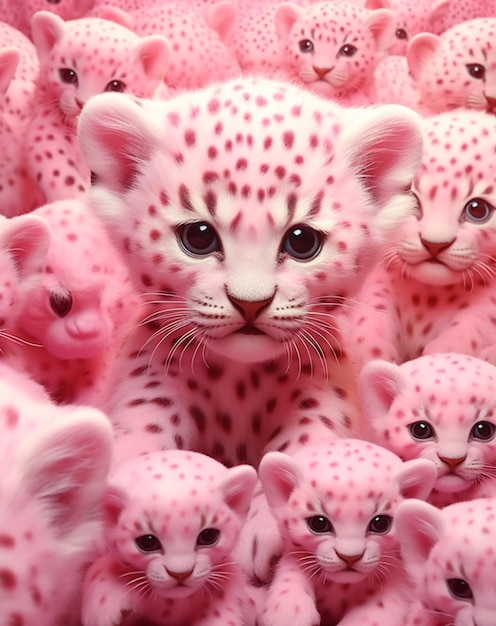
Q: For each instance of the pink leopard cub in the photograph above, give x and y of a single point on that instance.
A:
(79, 311)
(335, 505)
(456, 69)
(53, 465)
(79, 59)
(449, 555)
(172, 520)
(199, 39)
(434, 290)
(18, 71)
(440, 407)
(19, 14)
(333, 47)
(24, 242)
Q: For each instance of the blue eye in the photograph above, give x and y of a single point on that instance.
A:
(478, 210)
(199, 239)
(148, 543)
(459, 588)
(319, 524)
(302, 242)
(305, 45)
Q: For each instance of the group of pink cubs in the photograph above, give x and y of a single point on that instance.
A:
(248, 313)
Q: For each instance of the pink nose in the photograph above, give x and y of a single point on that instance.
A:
(434, 247)
(321, 71)
(179, 576)
(350, 559)
(250, 309)
(452, 463)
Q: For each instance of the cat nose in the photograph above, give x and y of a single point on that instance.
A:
(250, 309)
(321, 71)
(350, 559)
(179, 576)
(435, 247)
(452, 463)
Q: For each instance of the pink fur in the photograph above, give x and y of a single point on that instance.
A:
(450, 559)
(335, 505)
(438, 407)
(49, 495)
(72, 57)
(172, 520)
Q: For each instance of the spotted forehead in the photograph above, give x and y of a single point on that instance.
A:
(478, 33)
(97, 37)
(332, 18)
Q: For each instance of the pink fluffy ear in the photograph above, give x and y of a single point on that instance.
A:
(382, 23)
(438, 12)
(220, 17)
(418, 526)
(416, 478)
(380, 382)
(27, 238)
(66, 465)
(113, 503)
(383, 146)
(46, 29)
(117, 138)
(279, 476)
(9, 60)
(237, 488)
(153, 52)
(420, 51)
(286, 15)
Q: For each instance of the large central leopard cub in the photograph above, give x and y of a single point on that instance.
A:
(248, 213)
(245, 236)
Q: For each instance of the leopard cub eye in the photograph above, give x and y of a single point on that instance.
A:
(305, 45)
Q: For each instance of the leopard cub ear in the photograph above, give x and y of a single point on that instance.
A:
(117, 137)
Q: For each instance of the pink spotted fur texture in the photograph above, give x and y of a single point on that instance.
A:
(335, 505)
(439, 407)
(450, 558)
(262, 276)
(172, 521)
(434, 290)
(53, 465)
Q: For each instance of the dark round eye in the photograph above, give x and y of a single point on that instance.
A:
(305, 45)
(477, 210)
(148, 543)
(61, 302)
(302, 242)
(476, 70)
(68, 76)
(116, 85)
(53, 1)
(483, 430)
(380, 524)
(208, 537)
(199, 239)
(459, 588)
(421, 430)
(319, 524)
(401, 33)
(348, 50)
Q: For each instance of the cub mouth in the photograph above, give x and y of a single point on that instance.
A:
(249, 329)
